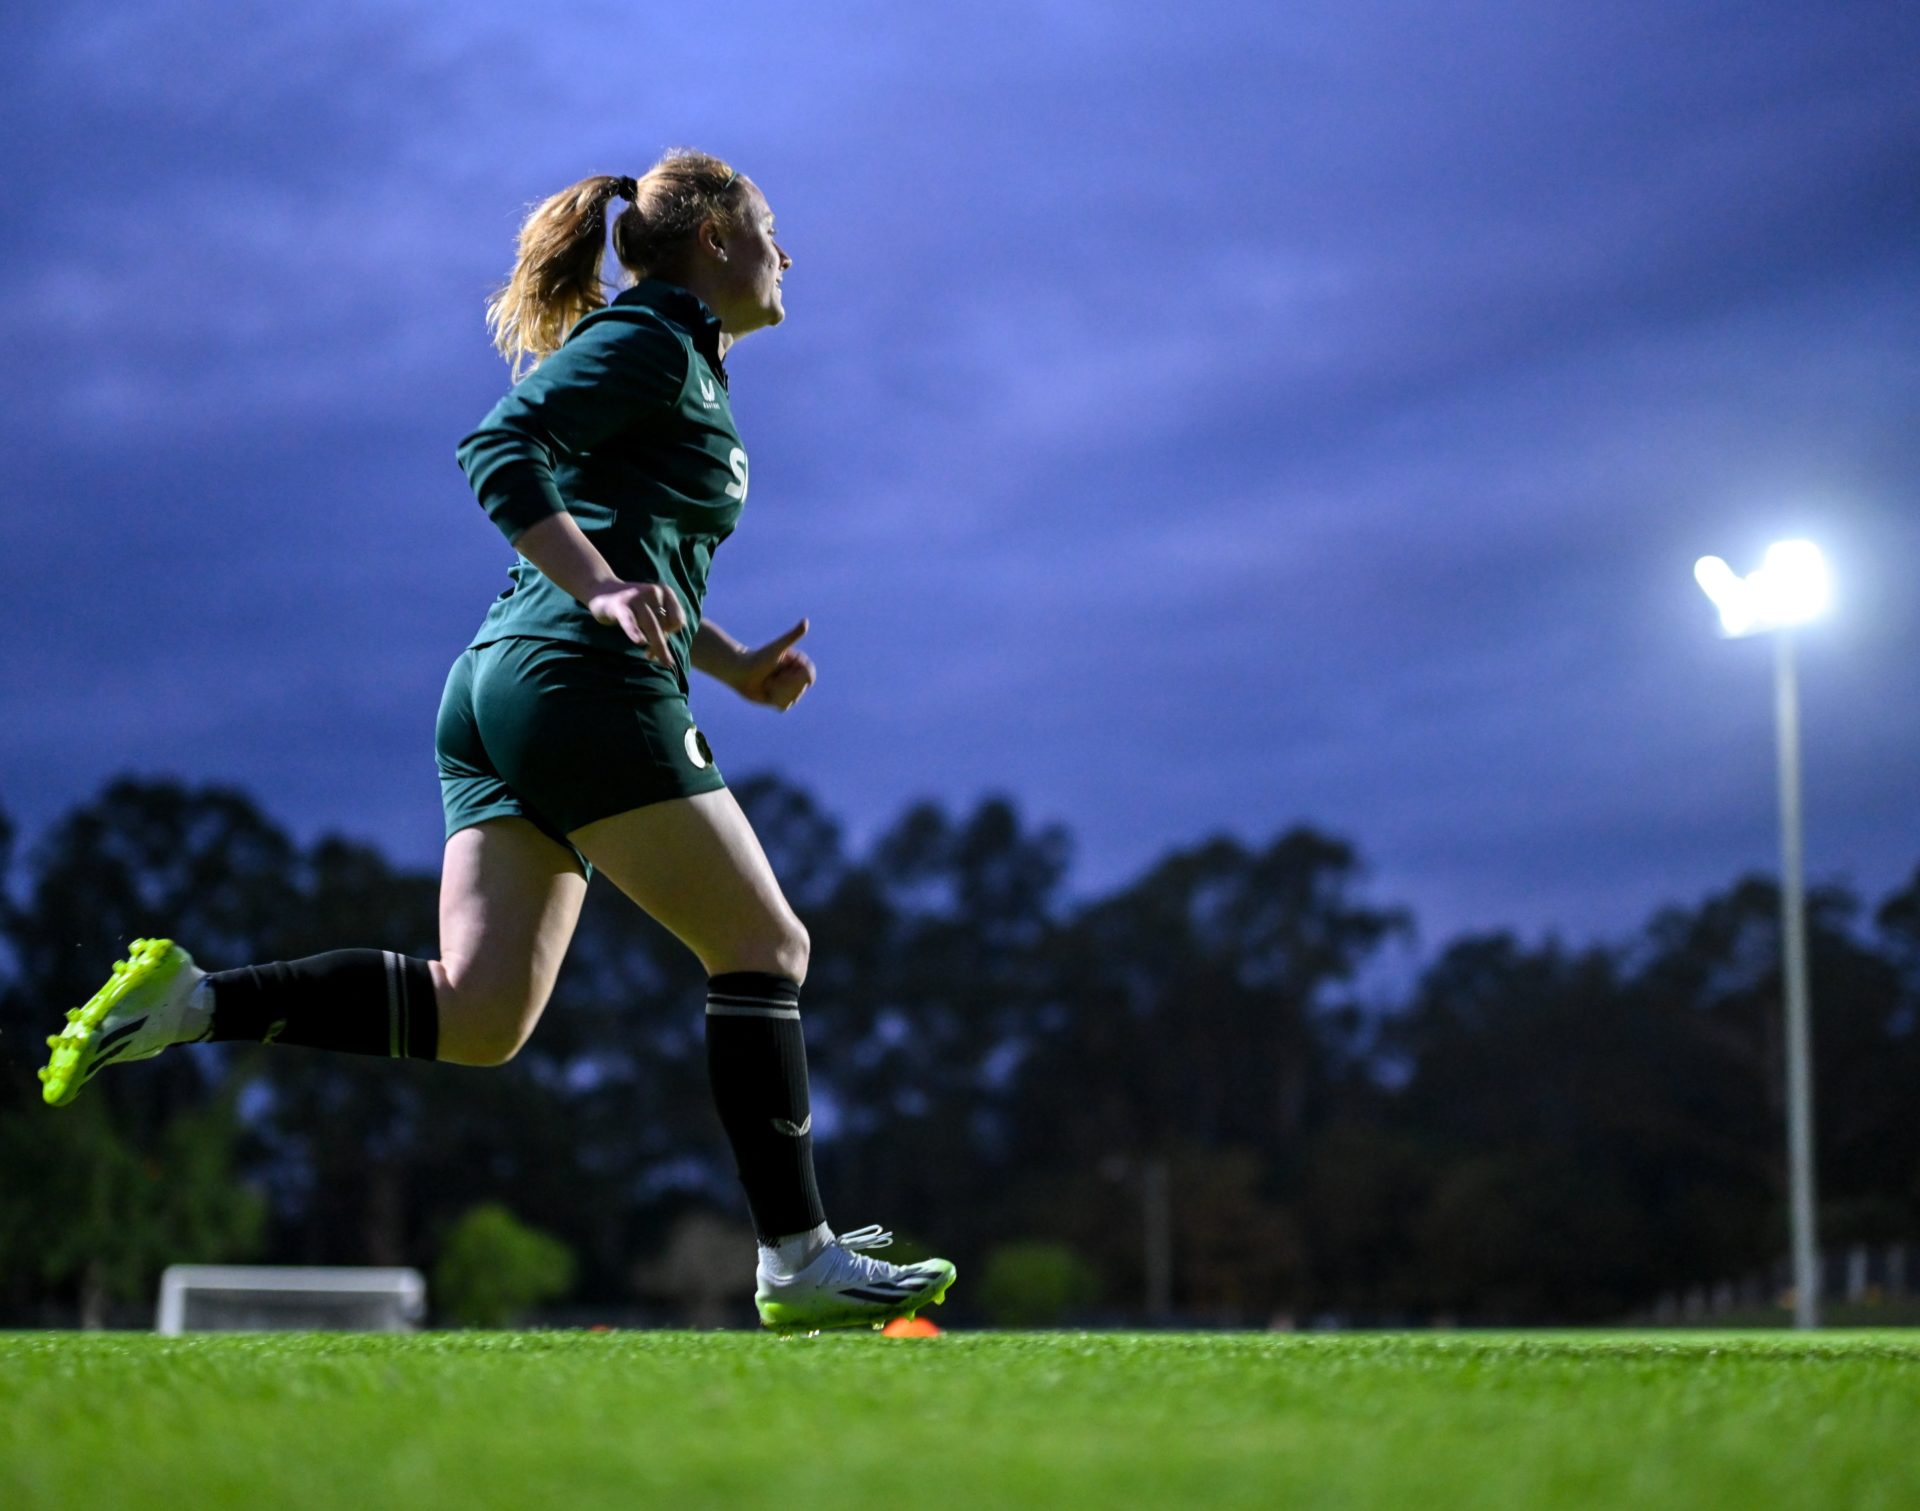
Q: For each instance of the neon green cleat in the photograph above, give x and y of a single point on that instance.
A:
(147, 1004)
(842, 1287)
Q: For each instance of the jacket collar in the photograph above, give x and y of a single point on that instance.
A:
(686, 310)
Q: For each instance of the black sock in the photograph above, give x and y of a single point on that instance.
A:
(366, 1002)
(757, 1063)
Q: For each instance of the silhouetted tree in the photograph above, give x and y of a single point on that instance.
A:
(1534, 1133)
(1188, 1012)
(100, 1195)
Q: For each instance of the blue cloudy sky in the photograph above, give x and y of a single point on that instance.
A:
(1188, 418)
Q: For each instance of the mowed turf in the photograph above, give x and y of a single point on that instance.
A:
(577, 1420)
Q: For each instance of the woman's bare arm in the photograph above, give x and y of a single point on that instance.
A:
(647, 611)
(718, 654)
(777, 673)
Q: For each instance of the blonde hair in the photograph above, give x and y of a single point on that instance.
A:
(556, 277)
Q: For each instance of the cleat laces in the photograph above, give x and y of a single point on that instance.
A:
(859, 1269)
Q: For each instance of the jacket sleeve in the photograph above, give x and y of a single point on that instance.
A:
(617, 365)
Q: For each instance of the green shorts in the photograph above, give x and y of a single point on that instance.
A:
(561, 735)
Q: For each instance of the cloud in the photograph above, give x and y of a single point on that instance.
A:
(1186, 419)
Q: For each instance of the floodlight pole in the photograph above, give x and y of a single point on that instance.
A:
(1157, 1199)
(1793, 936)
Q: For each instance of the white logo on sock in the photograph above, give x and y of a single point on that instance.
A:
(781, 1125)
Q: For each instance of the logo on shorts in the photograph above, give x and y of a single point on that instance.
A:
(698, 750)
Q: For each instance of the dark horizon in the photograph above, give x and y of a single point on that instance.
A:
(1391, 972)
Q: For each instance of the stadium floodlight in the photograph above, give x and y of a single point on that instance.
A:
(1790, 588)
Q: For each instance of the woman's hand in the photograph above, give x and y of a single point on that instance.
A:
(776, 673)
(647, 611)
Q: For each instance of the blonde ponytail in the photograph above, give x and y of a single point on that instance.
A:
(556, 278)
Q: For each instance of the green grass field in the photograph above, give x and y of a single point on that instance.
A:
(576, 1420)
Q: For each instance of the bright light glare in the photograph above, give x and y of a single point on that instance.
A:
(1728, 592)
(1789, 587)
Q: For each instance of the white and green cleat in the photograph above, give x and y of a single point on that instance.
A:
(147, 1005)
(842, 1287)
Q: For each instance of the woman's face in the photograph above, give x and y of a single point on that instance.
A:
(747, 273)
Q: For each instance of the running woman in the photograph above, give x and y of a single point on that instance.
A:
(564, 741)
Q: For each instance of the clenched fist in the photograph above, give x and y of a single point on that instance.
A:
(777, 673)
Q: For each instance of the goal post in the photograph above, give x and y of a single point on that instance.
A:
(279, 1298)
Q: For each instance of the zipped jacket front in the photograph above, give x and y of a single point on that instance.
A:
(629, 427)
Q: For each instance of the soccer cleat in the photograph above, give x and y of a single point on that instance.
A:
(145, 1006)
(841, 1287)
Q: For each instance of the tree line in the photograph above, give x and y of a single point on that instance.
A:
(1171, 1096)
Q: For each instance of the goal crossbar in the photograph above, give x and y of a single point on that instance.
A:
(303, 1290)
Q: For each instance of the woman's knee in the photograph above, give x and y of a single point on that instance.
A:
(781, 948)
(485, 1020)
(488, 1045)
(794, 950)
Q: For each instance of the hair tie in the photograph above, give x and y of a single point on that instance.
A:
(627, 189)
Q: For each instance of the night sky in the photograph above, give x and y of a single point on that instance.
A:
(1187, 418)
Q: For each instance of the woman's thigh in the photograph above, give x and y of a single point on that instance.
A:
(509, 899)
(695, 865)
